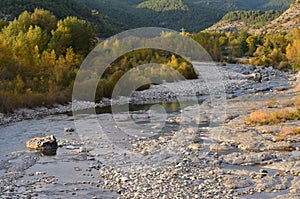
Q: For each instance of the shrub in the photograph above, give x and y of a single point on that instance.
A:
(289, 131)
(273, 117)
(283, 65)
(297, 102)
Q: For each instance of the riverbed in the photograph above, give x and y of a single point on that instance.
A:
(156, 149)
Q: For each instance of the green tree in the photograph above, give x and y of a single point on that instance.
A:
(75, 33)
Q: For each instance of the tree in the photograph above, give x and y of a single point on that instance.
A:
(293, 54)
(72, 32)
(44, 19)
(293, 49)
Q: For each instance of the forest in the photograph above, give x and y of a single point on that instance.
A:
(163, 5)
(39, 58)
(104, 25)
(279, 50)
(41, 55)
(252, 18)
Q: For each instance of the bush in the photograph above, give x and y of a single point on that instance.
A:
(273, 117)
(283, 65)
(289, 131)
(297, 102)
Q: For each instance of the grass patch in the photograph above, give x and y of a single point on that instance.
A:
(297, 102)
(266, 117)
(262, 117)
(289, 131)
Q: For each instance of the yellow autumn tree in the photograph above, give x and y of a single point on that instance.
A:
(293, 54)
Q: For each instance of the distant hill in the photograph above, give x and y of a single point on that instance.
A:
(263, 5)
(275, 5)
(285, 22)
(193, 15)
(258, 22)
(163, 5)
(245, 20)
(113, 16)
(9, 9)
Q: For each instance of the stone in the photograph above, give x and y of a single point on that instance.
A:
(282, 88)
(194, 147)
(256, 76)
(69, 130)
(201, 119)
(124, 179)
(250, 158)
(44, 144)
(279, 146)
(271, 183)
(218, 148)
(234, 182)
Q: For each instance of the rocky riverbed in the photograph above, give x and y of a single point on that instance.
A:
(192, 158)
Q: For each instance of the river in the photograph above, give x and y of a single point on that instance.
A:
(73, 171)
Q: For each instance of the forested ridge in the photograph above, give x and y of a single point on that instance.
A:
(255, 18)
(105, 26)
(193, 15)
(163, 5)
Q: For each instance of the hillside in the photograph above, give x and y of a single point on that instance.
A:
(263, 5)
(163, 5)
(189, 14)
(259, 22)
(244, 20)
(193, 15)
(9, 9)
(285, 22)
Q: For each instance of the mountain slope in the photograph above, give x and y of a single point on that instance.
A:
(61, 8)
(263, 5)
(163, 5)
(285, 22)
(275, 5)
(193, 15)
(244, 20)
(259, 22)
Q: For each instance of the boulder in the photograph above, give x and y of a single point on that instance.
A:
(256, 76)
(47, 143)
(69, 130)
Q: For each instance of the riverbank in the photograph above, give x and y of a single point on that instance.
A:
(233, 77)
(232, 160)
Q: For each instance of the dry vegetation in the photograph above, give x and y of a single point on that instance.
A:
(262, 117)
(289, 131)
(266, 117)
(280, 115)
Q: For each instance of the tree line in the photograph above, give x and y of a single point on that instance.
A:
(40, 56)
(252, 18)
(104, 25)
(279, 50)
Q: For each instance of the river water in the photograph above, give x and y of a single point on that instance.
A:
(68, 168)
